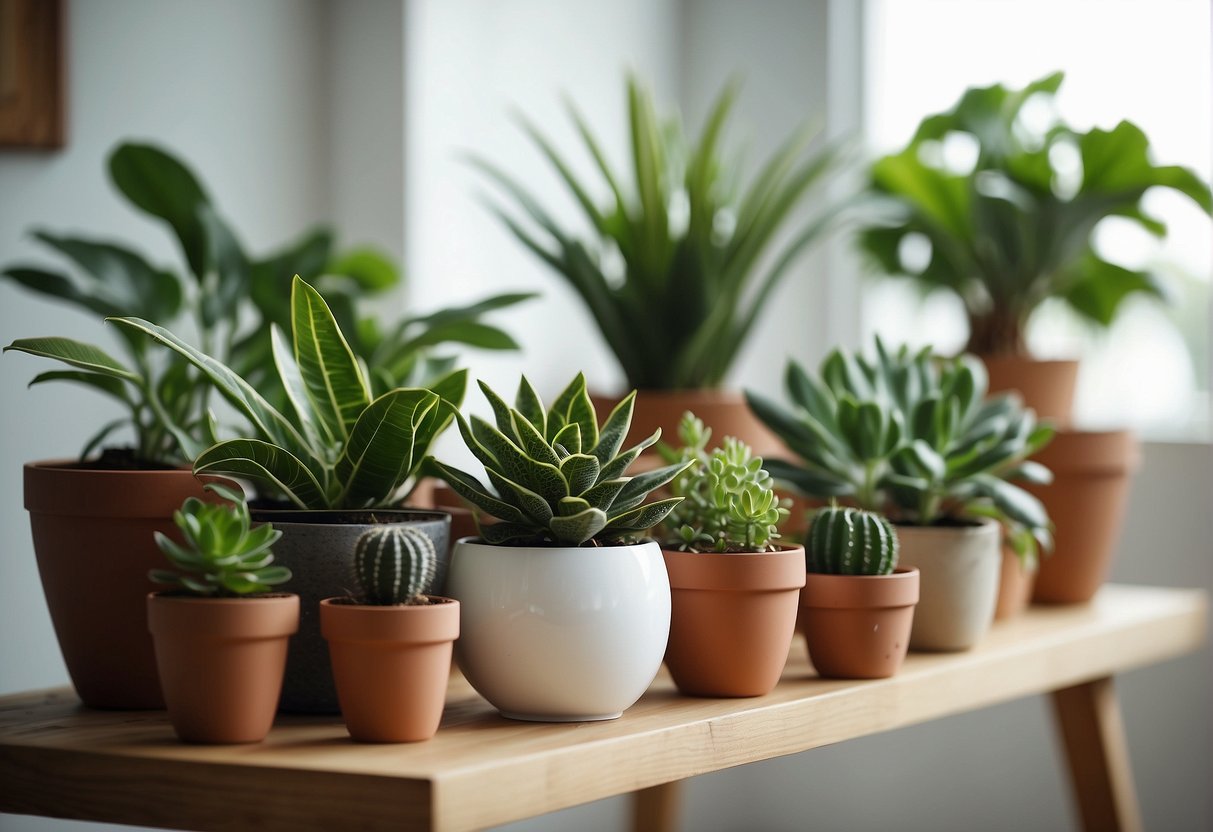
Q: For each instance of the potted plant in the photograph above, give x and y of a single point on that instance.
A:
(734, 590)
(699, 255)
(390, 643)
(913, 437)
(857, 607)
(334, 466)
(563, 585)
(221, 633)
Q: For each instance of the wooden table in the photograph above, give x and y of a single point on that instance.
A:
(61, 760)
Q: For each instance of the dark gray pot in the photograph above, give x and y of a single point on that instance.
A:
(318, 546)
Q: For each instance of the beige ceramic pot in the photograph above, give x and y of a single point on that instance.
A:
(1045, 386)
(1015, 582)
(858, 626)
(732, 619)
(960, 566)
(391, 665)
(221, 662)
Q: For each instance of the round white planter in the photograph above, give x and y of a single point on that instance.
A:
(960, 567)
(560, 634)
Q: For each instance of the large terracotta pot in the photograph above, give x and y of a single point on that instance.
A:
(1045, 386)
(221, 662)
(1015, 583)
(959, 582)
(858, 626)
(724, 411)
(391, 665)
(558, 634)
(93, 538)
(732, 619)
(1086, 501)
(318, 547)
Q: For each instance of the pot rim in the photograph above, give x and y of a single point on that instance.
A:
(478, 543)
(898, 589)
(980, 526)
(273, 616)
(326, 518)
(736, 571)
(396, 624)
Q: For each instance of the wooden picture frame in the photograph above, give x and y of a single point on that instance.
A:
(32, 76)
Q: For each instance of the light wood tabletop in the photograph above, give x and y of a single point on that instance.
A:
(62, 760)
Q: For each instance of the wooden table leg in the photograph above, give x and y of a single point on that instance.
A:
(1089, 721)
(656, 809)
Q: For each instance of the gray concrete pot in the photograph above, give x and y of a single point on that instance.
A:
(318, 546)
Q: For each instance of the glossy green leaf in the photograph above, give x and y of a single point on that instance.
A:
(267, 463)
(338, 391)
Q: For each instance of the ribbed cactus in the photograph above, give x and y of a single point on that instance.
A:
(848, 541)
(394, 564)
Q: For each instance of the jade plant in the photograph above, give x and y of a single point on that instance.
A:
(337, 447)
(557, 478)
(849, 541)
(729, 502)
(222, 556)
(1018, 229)
(912, 436)
(394, 565)
(682, 237)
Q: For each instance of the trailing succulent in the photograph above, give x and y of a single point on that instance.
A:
(850, 541)
(556, 477)
(912, 436)
(394, 564)
(222, 556)
(729, 503)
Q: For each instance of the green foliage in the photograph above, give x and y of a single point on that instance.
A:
(1018, 229)
(394, 564)
(222, 556)
(231, 299)
(912, 436)
(849, 541)
(557, 478)
(689, 238)
(729, 502)
(339, 447)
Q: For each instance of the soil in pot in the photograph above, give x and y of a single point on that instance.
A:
(858, 626)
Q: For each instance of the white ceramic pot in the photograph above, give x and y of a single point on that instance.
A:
(960, 566)
(560, 634)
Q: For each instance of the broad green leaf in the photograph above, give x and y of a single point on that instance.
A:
(77, 354)
(106, 384)
(536, 508)
(336, 386)
(581, 472)
(468, 487)
(642, 518)
(265, 463)
(615, 429)
(296, 390)
(371, 269)
(578, 528)
(383, 451)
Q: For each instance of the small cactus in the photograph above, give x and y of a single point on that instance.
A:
(848, 541)
(394, 564)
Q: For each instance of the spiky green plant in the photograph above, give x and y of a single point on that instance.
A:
(222, 555)
(394, 564)
(556, 477)
(849, 541)
(729, 502)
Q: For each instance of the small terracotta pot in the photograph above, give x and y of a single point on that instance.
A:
(391, 666)
(93, 538)
(221, 662)
(732, 619)
(1015, 582)
(858, 626)
(959, 582)
(1045, 386)
(1086, 502)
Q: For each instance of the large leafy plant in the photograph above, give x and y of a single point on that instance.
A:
(912, 436)
(1017, 229)
(556, 477)
(695, 274)
(338, 447)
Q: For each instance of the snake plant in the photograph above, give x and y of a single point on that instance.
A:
(557, 477)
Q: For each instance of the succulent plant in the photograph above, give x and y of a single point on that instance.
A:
(850, 541)
(556, 477)
(394, 564)
(912, 436)
(729, 502)
(222, 556)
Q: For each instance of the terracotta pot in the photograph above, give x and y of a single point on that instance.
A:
(959, 582)
(1086, 501)
(318, 547)
(391, 666)
(858, 626)
(732, 619)
(221, 662)
(93, 540)
(1015, 582)
(1045, 386)
(724, 411)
